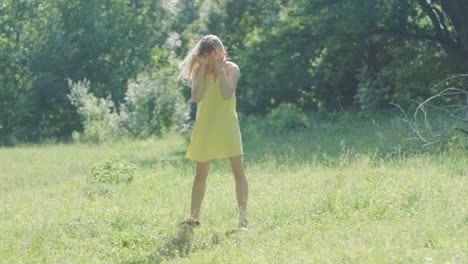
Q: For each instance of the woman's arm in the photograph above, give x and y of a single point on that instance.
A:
(228, 77)
(198, 85)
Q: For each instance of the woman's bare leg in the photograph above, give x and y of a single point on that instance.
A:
(242, 187)
(198, 189)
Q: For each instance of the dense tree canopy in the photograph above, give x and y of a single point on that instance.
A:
(317, 54)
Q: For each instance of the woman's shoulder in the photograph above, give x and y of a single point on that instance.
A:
(231, 66)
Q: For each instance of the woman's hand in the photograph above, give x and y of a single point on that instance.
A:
(202, 61)
(220, 59)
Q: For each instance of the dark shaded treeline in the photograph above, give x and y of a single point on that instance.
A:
(318, 54)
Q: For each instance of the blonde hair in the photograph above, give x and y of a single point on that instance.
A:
(206, 44)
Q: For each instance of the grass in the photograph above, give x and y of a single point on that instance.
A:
(318, 195)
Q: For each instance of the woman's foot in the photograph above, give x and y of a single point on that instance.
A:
(191, 223)
(243, 223)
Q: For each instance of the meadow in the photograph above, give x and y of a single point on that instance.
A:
(328, 193)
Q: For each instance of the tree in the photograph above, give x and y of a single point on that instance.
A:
(18, 22)
(46, 42)
(451, 33)
(315, 53)
(457, 10)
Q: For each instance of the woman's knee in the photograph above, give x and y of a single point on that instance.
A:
(237, 167)
(201, 177)
(201, 172)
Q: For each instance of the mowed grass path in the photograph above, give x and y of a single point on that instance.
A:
(317, 195)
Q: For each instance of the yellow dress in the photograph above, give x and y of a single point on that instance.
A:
(216, 133)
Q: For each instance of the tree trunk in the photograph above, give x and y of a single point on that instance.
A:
(449, 41)
(372, 55)
(457, 11)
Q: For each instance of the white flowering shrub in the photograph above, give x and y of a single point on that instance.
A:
(153, 105)
(100, 120)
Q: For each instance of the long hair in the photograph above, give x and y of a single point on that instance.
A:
(206, 44)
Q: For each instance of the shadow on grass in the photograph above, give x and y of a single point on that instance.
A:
(321, 145)
(181, 245)
(172, 158)
(177, 246)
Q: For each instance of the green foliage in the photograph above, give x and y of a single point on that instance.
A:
(286, 116)
(319, 55)
(42, 43)
(120, 35)
(154, 104)
(20, 115)
(310, 52)
(112, 171)
(100, 120)
(373, 88)
(419, 70)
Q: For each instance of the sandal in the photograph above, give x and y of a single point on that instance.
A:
(191, 223)
(243, 222)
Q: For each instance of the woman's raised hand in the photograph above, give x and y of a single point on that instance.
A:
(220, 59)
(202, 61)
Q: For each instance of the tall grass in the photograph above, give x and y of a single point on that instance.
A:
(321, 194)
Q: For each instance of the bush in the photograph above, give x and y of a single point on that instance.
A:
(153, 105)
(112, 171)
(286, 116)
(373, 88)
(100, 120)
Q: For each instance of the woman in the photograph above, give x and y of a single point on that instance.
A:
(216, 134)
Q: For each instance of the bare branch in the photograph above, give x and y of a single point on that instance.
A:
(433, 129)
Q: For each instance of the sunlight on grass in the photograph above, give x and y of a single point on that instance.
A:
(339, 202)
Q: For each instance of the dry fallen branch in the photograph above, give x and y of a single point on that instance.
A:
(440, 117)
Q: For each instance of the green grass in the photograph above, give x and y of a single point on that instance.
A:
(319, 195)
